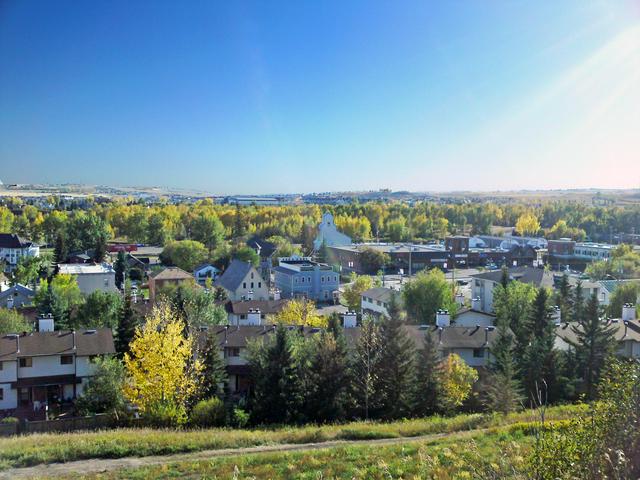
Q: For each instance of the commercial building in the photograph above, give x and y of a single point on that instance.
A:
(301, 277)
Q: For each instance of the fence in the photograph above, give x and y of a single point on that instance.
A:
(61, 425)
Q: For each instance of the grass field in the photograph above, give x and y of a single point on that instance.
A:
(499, 455)
(37, 449)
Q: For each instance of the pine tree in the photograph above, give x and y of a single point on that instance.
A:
(564, 298)
(595, 342)
(238, 226)
(503, 392)
(60, 252)
(504, 278)
(323, 252)
(397, 367)
(121, 268)
(426, 388)
(214, 374)
(577, 314)
(126, 326)
(364, 367)
(100, 248)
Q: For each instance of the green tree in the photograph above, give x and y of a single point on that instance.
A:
(214, 374)
(627, 292)
(426, 389)
(13, 322)
(364, 366)
(127, 324)
(186, 254)
(372, 260)
(353, 291)
(61, 251)
(427, 293)
(564, 298)
(247, 254)
(208, 230)
(100, 309)
(512, 307)
(121, 267)
(103, 391)
(62, 298)
(595, 342)
(503, 393)
(32, 269)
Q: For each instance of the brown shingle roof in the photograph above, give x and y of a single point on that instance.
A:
(172, 273)
(265, 306)
(88, 342)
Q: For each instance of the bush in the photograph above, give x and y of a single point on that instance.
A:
(165, 415)
(208, 413)
(240, 417)
(9, 420)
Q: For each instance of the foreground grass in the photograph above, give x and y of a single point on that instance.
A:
(37, 449)
(482, 457)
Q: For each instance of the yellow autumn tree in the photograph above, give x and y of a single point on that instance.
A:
(353, 292)
(527, 224)
(161, 372)
(456, 381)
(300, 312)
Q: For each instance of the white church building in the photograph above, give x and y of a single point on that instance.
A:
(329, 234)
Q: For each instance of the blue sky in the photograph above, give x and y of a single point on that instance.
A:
(271, 96)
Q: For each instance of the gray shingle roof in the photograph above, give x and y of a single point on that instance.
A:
(536, 276)
(233, 275)
(88, 342)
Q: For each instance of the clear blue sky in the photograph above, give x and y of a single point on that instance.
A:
(297, 96)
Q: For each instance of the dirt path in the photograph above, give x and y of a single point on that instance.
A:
(102, 465)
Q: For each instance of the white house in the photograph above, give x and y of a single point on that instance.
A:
(627, 333)
(329, 235)
(13, 248)
(91, 277)
(242, 282)
(375, 301)
(46, 367)
(204, 271)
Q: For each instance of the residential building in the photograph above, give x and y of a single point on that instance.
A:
(483, 284)
(204, 271)
(242, 281)
(47, 367)
(265, 251)
(301, 277)
(375, 301)
(167, 278)
(13, 248)
(17, 296)
(329, 235)
(253, 312)
(91, 277)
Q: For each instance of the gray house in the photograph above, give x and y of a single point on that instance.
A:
(301, 277)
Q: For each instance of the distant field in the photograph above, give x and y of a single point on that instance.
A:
(38, 449)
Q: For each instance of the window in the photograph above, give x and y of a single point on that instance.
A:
(244, 284)
(0, 365)
(251, 284)
(106, 282)
(243, 316)
(66, 359)
(232, 352)
(478, 353)
(26, 362)
(1, 393)
(322, 279)
(251, 275)
(259, 284)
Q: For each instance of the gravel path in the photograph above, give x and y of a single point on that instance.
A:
(99, 465)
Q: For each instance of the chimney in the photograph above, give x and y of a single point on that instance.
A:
(45, 324)
(628, 312)
(250, 295)
(460, 299)
(475, 303)
(556, 315)
(10, 302)
(443, 319)
(253, 317)
(349, 319)
(276, 294)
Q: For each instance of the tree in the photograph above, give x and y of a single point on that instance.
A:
(200, 307)
(528, 224)
(627, 292)
(214, 373)
(186, 254)
(121, 267)
(207, 229)
(239, 225)
(13, 322)
(103, 391)
(426, 390)
(160, 367)
(372, 260)
(100, 309)
(504, 278)
(278, 394)
(127, 324)
(396, 371)
(61, 251)
(564, 297)
(32, 269)
(457, 380)
(353, 292)
(300, 312)
(100, 247)
(364, 365)
(595, 342)
(577, 315)
(503, 393)
(513, 306)
(61, 297)
(247, 254)
(427, 293)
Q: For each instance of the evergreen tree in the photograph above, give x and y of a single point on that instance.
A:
(504, 279)
(214, 374)
(397, 368)
(238, 226)
(364, 366)
(595, 342)
(577, 314)
(121, 268)
(564, 298)
(100, 248)
(278, 390)
(503, 392)
(126, 326)
(426, 388)
(61, 252)
(323, 252)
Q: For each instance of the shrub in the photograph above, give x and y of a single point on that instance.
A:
(9, 420)
(165, 415)
(240, 417)
(208, 413)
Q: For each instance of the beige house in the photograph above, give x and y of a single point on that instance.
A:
(242, 281)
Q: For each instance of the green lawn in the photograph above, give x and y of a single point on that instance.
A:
(47, 448)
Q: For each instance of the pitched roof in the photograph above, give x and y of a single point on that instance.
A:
(172, 273)
(265, 306)
(381, 293)
(88, 342)
(204, 265)
(11, 240)
(612, 285)
(21, 295)
(525, 274)
(233, 275)
(266, 248)
(630, 331)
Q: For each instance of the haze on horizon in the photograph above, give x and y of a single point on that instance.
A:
(258, 97)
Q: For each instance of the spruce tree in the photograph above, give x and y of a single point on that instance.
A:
(365, 364)
(577, 314)
(397, 367)
(503, 391)
(100, 248)
(238, 225)
(121, 268)
(60, 251)
(214, 375)
(595, 342)
(126, 326)
(504, 278)
(426, 389)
